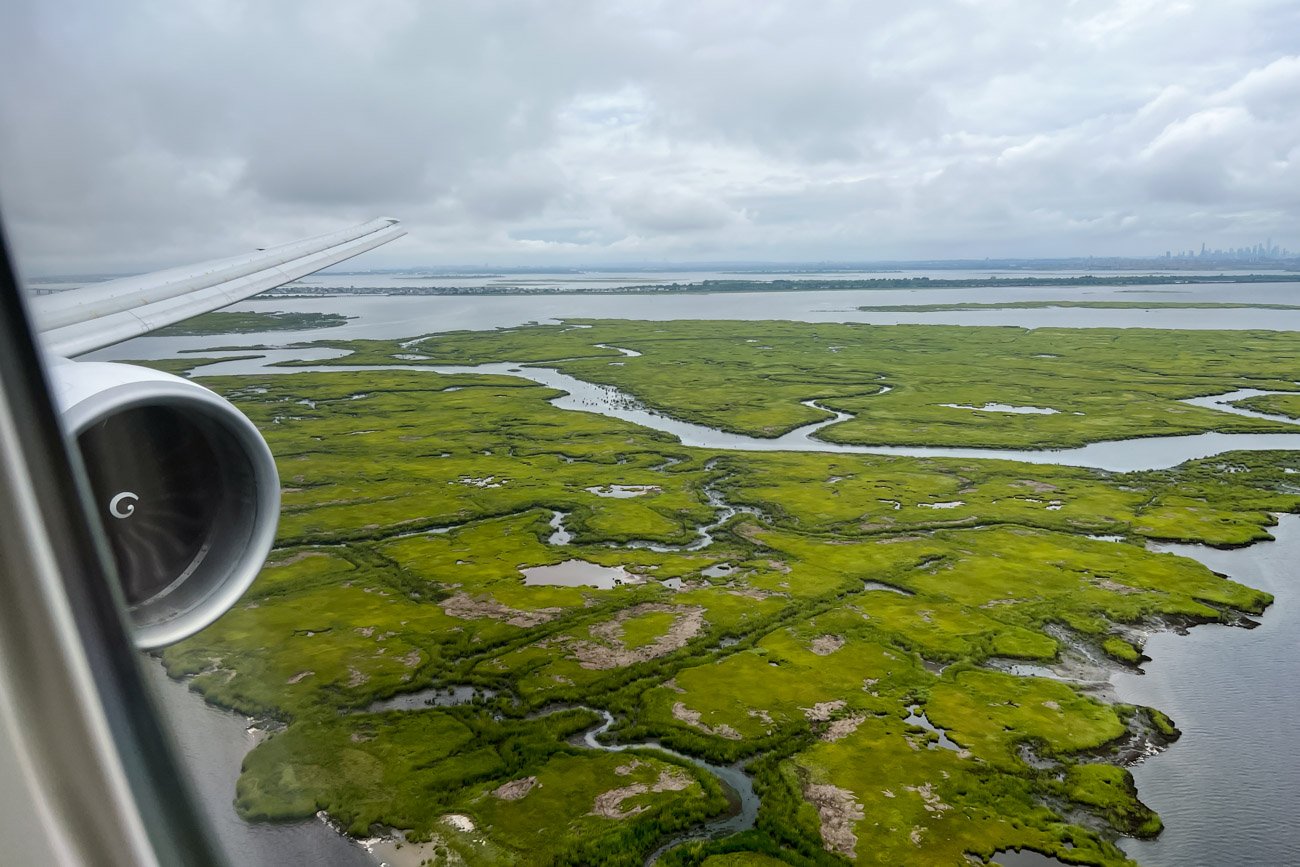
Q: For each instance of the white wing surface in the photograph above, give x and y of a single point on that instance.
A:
(80, 320)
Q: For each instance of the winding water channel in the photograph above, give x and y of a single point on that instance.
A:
(1226, 790)
(1148, 453)
(735, 783)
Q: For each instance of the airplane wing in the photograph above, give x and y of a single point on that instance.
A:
(80, 320)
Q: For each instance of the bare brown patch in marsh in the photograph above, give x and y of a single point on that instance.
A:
(822, 711)
(693, 719)
(842, 728)
(610, 804)
(825, 645)
(515, 789)
(467, 607)
(609, 651)
(300, 677)
(929, 798)
(1114, 586)
(838, 812)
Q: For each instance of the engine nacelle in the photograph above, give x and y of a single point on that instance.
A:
(184, 484)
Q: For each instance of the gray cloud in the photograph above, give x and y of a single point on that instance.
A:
(142, 134)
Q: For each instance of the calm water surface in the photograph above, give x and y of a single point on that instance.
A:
(211, 745)
(396, 317)
(1229, 788)
(578, 573)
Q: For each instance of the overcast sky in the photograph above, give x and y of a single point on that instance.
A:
(144, 133)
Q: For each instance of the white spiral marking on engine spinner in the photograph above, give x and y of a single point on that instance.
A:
(117, 510)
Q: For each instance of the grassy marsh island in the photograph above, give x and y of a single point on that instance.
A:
(1276, 404)
(852, 632)
(235, 322)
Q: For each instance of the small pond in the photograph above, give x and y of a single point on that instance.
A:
(623, 492)
(1005, 407)
(917, 717)
(578, 573)
(880, 585)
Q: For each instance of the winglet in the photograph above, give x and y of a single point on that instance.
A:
(81, 320)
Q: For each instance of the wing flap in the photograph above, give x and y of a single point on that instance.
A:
(81, 320)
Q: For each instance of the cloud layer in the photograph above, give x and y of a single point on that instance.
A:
(145, 133)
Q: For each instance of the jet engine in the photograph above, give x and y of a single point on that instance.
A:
(184, 485)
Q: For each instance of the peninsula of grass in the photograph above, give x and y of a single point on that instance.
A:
(1276, 404)
(181, 366)
(1087, 305)
(799, 641)
(229, 322)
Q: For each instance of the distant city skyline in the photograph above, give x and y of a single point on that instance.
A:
(1266, 250)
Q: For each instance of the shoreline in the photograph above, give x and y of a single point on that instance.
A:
(1215, 694)
(210, 743)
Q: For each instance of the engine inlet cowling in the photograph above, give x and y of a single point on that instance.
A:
(184, 486)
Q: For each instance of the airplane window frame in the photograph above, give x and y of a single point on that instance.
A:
(104, 765)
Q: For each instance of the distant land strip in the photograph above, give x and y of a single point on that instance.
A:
(1096, 305)
(232, 322)
(294, 290)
